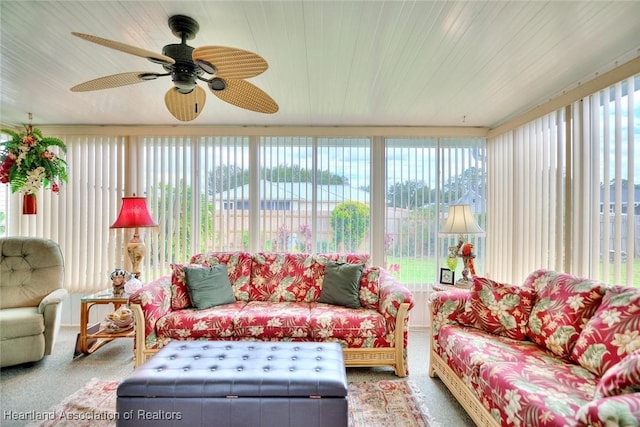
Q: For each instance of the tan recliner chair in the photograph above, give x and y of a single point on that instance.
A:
(31, 295)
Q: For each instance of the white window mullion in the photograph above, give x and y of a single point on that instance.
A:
(256, 227)
(543, 147)
(195, 170)
(631, 180)
(583, 183)
(594, 186)
(558, 227)
(520, 184)
(377, 200)
(618, 184)
(315, 223)
(161, 168)
(554, 218)
(228, 204)
(207, 171)
(576, 193)
(605, 202)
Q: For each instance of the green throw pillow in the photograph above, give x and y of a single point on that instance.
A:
(341, 285)
(209, 286)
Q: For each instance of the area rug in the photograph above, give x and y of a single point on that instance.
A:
(397, 403)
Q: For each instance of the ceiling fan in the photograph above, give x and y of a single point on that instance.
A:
(222, 68)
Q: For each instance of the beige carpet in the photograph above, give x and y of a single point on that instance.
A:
(397, 403)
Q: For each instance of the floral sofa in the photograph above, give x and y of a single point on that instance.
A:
(275, 298)
(557, 351)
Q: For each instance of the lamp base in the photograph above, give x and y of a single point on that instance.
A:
(464, 283)
(136, 250)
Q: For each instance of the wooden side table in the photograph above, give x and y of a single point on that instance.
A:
(95, 336)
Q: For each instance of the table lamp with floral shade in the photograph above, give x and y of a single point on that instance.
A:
(28, 163)
(461, 222)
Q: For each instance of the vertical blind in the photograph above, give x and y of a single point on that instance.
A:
(344, 186)
(195, 188)
(79, 216)
(564, 191)
(525, 199)
(223, 193)
(424, 176)
(607, 184)
(286, 196)
(559, 192)
(206, 196)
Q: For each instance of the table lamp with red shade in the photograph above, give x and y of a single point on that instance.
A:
(134, 214)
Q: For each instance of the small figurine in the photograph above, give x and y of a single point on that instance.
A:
(467, 258)
(118, 279)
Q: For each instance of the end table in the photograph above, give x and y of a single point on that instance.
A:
(95, 336)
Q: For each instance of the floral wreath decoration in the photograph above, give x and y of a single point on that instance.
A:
(27, 164)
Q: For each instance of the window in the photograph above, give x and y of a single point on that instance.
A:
(564, 191)
(260, 193)
(196, 188)
(203, 195)
(606, 163)
(423, 177)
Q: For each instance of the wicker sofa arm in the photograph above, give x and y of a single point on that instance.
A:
(154, 302)
(395, 303)
(619, 410)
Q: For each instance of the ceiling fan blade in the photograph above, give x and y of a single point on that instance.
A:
(115, 80)
(246, 95)
(150, 55)
(185, 107)
(229, 62)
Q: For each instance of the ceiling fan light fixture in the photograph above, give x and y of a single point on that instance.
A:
(206, 66)
(148, 76)
(158, 61)
(217, 84)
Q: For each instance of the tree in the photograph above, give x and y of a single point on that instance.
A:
(295, 173)
(459, 185)
(226, 177)
(409, 194)
(178, 203)
(350, 222)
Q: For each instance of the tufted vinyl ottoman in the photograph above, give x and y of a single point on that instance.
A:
(237, 383)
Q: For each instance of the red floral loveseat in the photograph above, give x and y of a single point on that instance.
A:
(557, 351)
(276, 299)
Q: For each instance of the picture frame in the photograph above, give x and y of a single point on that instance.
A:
(447, 277)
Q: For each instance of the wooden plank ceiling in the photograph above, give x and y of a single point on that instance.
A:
(331, 63)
